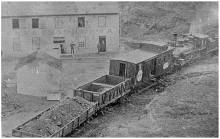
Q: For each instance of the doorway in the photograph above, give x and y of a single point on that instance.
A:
(153, 64)
(122, 69)
(59, 44)
(35, 43)
(102, 42)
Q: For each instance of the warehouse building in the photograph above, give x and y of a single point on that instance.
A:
(29, 26)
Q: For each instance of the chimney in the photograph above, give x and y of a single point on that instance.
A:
(175, 39)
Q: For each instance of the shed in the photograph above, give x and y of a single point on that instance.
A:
(38, 74)
(200, 40)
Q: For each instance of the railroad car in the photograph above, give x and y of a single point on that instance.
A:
(104, 90)
(142, 65)
(67, 109)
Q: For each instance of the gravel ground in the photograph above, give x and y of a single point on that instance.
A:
(187, 108)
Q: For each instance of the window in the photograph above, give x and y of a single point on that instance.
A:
(58, 39)
(16, 44)
(22, 23)
(43, 23)
(102, 21)
(81, 44)
(35, 23)
(81, 21)
(59, 22)
(15, 23)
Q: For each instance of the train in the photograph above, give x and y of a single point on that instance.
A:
(136, 70)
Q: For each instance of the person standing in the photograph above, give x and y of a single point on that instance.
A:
(61, 48)
(72, 45)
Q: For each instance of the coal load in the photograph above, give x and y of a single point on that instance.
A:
(40, 127)
(51, 121)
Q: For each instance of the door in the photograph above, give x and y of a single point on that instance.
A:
(153, 66)
(102, 42)
(122, 69)
(35, 43)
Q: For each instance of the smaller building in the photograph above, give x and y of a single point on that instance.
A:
(38, 74)
(199, 40)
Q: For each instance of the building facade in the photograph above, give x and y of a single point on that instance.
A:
(28, 33)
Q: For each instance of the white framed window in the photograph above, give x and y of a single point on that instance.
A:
(35, 43)
(22, 22)
(35, 22)
(81, 22)
(16, 44)
(18, 23)
(102, 21)
(59, 22)
(43, 23)
(15, 23)
(81, 42)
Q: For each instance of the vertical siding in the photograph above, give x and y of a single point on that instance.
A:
(47, 30)
(114, 67)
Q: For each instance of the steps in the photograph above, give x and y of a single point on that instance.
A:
(66, 56)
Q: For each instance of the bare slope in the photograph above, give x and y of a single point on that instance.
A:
(158, 20)
(187, 108)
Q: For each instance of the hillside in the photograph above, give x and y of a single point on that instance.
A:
(188, 107)
(158, 20)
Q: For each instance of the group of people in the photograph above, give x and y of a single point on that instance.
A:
(73, 48)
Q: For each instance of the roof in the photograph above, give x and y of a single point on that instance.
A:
(16, 9)
(39, 57)
(155, 43)
(136, 56)
(198, 35)
(158, 43)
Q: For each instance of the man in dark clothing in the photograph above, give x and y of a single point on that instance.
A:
(72, 45)
(61, 48)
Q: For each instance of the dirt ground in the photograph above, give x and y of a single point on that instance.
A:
(18, 108)
(187, 108)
